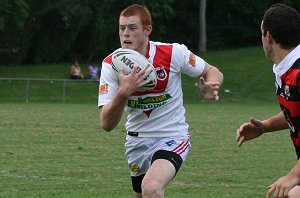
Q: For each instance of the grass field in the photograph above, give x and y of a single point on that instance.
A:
(58, 150)
(50, 149)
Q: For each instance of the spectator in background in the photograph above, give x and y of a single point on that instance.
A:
(75, 71)
(93, 72)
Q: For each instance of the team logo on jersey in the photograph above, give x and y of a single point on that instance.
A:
(290, 123)
(134, 168)
(291, 128)
(170, 143)
(287, 93)
(103, 89)
(192, 59)
(161, 73)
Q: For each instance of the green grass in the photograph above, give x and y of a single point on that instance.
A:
(38, 71)
(50, 149)
(58, 150)
(49, 91)
(248, 77)
(46, 90)
(247, 74)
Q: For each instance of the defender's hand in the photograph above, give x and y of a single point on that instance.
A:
(249, 130)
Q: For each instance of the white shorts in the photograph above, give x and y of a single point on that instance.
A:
(139, 150)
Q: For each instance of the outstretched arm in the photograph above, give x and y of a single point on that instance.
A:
(255, 128)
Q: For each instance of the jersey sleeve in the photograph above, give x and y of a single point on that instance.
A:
(186, 61)
(108, 84)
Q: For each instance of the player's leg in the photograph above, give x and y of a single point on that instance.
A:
(158, 176)
(163, 169)
(295, 192)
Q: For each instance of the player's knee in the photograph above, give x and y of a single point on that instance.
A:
(152, 189)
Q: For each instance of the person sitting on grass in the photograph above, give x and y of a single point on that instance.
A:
(75, 71)
(93, 72)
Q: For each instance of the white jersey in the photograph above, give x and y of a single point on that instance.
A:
(159, 112)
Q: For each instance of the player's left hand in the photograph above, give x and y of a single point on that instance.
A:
(282, 187)
(209, 90)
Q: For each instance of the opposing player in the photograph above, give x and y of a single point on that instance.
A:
(158, 139)
(280, 30)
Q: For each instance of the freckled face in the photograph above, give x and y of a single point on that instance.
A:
(132, 33)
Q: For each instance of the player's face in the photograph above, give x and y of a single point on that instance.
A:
(132, 33)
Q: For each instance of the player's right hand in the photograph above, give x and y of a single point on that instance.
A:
(249, 130)
(134, 80)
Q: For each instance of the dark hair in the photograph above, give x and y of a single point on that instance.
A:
(283, 23)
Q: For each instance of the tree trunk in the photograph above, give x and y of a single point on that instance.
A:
(202, 26)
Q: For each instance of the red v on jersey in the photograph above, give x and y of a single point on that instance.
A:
(162, 64)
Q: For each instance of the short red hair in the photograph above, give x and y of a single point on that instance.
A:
(138, 10)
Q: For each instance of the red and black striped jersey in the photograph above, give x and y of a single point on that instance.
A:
(289, 99)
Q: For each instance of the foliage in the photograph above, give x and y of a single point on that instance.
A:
(99, 35)
(55, 25)
(51, 31)
(239, 23)
(13, 15)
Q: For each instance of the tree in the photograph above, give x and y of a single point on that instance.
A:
(202, 26)
(53, 26)
(13, 16)
(99, 36)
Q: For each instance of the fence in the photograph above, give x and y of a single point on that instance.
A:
(61, 90)
(50, 90)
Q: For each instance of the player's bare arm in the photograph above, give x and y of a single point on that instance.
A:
(111, 114)
(211, 80)
(276, 123)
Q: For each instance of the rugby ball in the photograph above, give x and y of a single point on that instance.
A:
(126, 58)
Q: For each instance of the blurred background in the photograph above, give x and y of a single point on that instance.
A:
(39, 41)
(53, 31)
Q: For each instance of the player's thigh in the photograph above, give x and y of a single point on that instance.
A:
(160, 173)
(295, 192)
